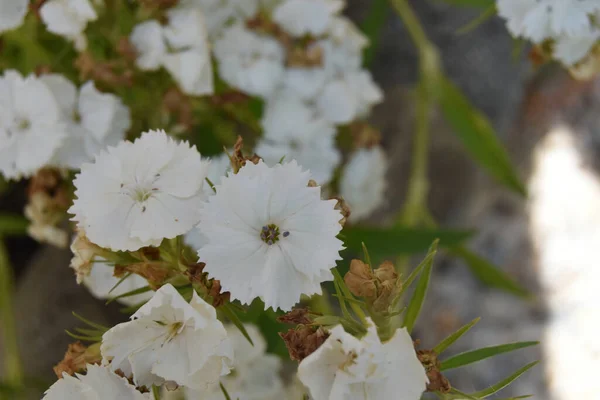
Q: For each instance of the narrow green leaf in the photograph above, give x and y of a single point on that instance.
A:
(474, 356)
(366, 255)
(527, 396)
(490, 274)
(84, 338)
(413, 275)
(227, 396)
(156, 392)
(383, 242)
(127, 275)
(486, 15)
(233, 317)
(416, 302)
(457, 394)
(477, 135)
(447, 342)
(130, 293)
(89, 332)
(13, 225)
(504, 383)
(372, 27)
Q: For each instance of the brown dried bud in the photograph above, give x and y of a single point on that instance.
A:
(76, 359)
(105, 72)
(344, 208)
(195, 273)
(305, 56)
(303, 341)
(218, 298)
(364, 135)
(360, 279)
(155, 272)
(437, 381)
(299, 316)
(238, 160)
(126, 49)
(312, 183)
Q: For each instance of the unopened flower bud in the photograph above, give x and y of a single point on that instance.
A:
(360, 280)
(84, 252)
(437, 381)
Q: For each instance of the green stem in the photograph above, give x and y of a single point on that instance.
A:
(12, 360)
(411, 22)
(346, 292)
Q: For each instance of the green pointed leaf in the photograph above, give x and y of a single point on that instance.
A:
(156, 392)
(416, 302)
(84, 338)
(415, 272)
(474, 356)
(490, 274)
(90, 323)
(13, 225)
(385, 242)
(227, 396)
(127, 275)
(372, 25)
(482, 394)
(447, 342)
(476, 133)
(233, 317)
(130, 293)
(475, 23)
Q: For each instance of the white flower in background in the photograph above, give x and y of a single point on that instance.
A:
(304, 17)
(12, 13)
(169, 339)
(249, 61)
(345, 367)
(94, 120)
(101, 280)
(255, 375)
(136, 194)
(571, 49)
(68, 18)
(293, 131)
(220, 13)
(543, 19)
(349, 97)
(363, 182)
(270, 235)
(31, 127)
(181, 47)
(97, 383)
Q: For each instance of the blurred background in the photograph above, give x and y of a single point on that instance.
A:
(546, 242)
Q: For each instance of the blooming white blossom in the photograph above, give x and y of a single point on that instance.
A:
(68, 18)
(12, 13)
(31, 127)
(249, 61)
(363, 182)
(345, 367)
(220, 13)
(270, 235)
(136, 194)
(571, 49)
(293, 131)
(169, 339)
(94, 120)
(101, 280)
(304, 17)
(97, 383)
(181, 47)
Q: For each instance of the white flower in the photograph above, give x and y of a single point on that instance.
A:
(68, 18)
(269, 235)
(363, 182)
(349, 97)
(101, 280)
(345, 367)
(542, 19)
(12, 13)
(572, 49)
(94, 120)
(303, 17)
(169, 339)
(31, 128)
(248, 61)
(221, 12)
(136, 194)
(293, 131)
(97, 383)
(181, 47)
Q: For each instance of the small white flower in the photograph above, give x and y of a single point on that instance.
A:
(169, 339)
(12, 13)
(101, 280)
(293, 131)
(31, 127)
(572, 49)
(94, 120)
(345, 367)
(136, 194)
(68, 18)
(363, 182)
(147, 38)
(249, 61)
(97, 383)
(220, 13)
(303, 17)
(269, 235)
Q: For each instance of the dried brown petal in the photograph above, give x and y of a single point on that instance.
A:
(303, 341)
(299, 316)
(76, 359)
(360, 279)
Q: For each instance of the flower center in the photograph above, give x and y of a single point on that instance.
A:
(270, 234)
(19, 125)
(174, 330)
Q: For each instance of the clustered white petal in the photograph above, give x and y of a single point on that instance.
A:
(345, 367)
(68, 18)
(563, 21)
(102, 284)
(136, 194)
(306, 17)
(181, 47)
(363, 182)
(97, 383)
(270, 235)
(12, 13)
(169, 339)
